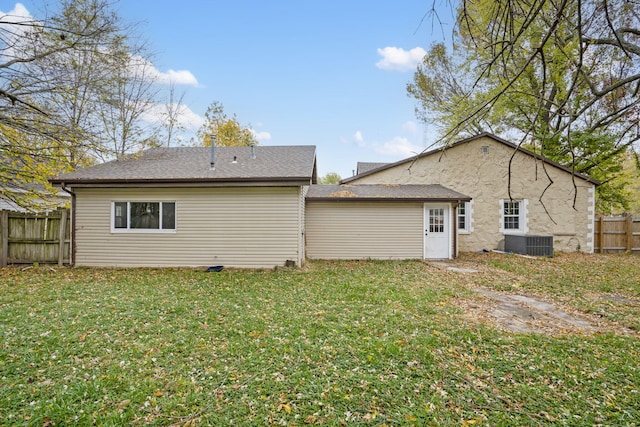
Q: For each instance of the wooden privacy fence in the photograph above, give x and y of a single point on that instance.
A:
(28, 238)
(614, 234)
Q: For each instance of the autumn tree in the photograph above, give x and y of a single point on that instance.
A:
(330, 178)
(61, 77)
(229, 132)
(36, 135)
(562, 77)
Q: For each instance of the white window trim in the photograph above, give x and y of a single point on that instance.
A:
(468, 218)
(141, 230)
(524, 228)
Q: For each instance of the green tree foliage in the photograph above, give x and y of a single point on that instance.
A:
(562, 77)
(631, 168)
(330, 178)
(228, 131)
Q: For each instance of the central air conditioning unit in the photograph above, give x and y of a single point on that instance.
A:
(529, 245)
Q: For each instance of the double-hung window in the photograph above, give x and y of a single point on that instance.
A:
(514, 216)
(464, 217)
(143, 216)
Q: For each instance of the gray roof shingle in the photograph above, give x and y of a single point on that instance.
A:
(397, 192)
(363, 167)
(192, 164)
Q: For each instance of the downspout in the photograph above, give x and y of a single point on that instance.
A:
(72, 258)
(455, 230)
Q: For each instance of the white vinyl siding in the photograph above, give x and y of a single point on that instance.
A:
(362, 230)
(233, 227)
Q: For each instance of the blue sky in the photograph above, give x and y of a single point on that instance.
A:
(328, 73)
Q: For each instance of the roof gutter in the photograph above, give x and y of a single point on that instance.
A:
(72, 257)
(389, 199)
(190, 182)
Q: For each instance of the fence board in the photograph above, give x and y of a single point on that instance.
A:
(616, 234)
(30, 238)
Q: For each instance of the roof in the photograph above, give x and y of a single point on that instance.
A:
(467, 140)
(40, 199)
(388, 192)
(363, 167)
(295, 165)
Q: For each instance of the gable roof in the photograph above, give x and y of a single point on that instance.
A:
(467, 140)
(285, 165)
(363, 167)
(388, 192)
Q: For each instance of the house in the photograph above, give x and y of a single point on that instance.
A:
(192, 206)
(261, 207)
(513, 191)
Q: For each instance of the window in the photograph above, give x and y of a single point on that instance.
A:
(144, 216)
(464, 217)
(436, 220)
(513, 216)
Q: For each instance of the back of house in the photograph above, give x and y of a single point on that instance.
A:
(513, 192)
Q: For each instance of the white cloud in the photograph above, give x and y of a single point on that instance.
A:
(398, 147)
(190, 120)
(187, 119)
(261, 136)
(410, 127)
(179, 77)
(359, 139)
(12, 46)
(19, 13)
(143, 67)
(398, 59)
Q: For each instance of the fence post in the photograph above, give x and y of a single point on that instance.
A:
(61, 235)
(629, 231)
(4, 224)
(601, 234)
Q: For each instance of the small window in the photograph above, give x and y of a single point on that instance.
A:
(120, 215)
(464, 217)
(144, 216)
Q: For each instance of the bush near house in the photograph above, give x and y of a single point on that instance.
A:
(380, 343)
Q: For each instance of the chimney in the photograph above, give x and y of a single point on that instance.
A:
(253, 150)
(213, 151)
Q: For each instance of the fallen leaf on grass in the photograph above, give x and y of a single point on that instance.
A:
(285, 407)
(370, 416)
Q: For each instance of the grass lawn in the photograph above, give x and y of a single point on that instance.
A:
(334, 343)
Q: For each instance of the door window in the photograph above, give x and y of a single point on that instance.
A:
(436, 220)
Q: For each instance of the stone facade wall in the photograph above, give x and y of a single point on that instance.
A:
(557, 203)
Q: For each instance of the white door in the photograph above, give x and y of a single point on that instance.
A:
(437, 244)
